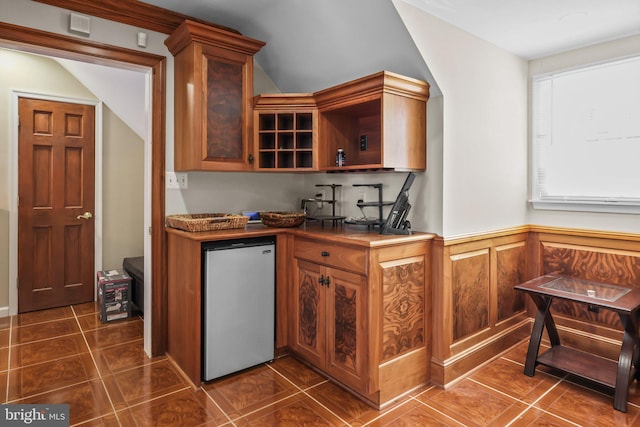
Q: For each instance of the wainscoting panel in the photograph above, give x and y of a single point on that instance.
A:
(511, 268)
(470, 288)
(477, 314)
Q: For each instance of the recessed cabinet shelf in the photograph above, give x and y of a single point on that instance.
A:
(286, 132)
(379, 121)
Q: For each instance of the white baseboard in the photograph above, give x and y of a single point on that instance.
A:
(4, 312)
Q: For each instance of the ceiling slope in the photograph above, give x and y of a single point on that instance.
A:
(313, 45)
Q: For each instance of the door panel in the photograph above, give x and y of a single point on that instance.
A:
(346, 322)
(309, 312)
(55, 185)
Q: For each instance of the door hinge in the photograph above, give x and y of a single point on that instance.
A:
(17, 282)
(150, 231)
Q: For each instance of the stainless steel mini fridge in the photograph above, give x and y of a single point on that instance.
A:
(238, 305)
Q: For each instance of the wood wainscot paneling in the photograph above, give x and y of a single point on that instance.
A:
(607, 257)
(477, 313)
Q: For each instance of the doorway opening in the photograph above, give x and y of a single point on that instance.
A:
(42, 43)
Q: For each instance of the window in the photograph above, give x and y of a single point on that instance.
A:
(586, 138)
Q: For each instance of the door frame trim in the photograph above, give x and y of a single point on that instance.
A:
(44, 42)
(13, 184)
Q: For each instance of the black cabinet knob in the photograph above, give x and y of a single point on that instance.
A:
(324, 253)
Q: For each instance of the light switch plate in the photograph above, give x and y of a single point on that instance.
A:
(176, 180)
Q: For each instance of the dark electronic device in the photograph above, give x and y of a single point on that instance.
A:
(397, 222)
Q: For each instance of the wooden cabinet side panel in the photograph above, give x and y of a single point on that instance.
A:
(188, 108)
(184, 305)
(283, 289)
(404, 139)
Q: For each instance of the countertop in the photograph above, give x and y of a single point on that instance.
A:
(353, 234)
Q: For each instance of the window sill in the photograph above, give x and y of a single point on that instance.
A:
(600, 206)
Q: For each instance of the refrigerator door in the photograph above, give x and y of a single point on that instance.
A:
(239, 306)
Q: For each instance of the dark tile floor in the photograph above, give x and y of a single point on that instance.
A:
(66, 355)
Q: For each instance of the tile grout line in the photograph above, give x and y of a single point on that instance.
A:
(319, 403)
(104, 386)
(532, 404)
(209, 397)
(298, 392)
(292, 383)
(304, 391)
(382, 414)
(186, 387)
(232, 420)
(438, 411)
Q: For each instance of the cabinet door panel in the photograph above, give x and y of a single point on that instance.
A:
(346, 311)
(224, 109)
(309, 313)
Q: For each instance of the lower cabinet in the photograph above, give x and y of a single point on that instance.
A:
(361, 315)
(355, 306)
(329, 310)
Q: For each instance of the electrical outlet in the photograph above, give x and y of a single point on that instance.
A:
(319, 198)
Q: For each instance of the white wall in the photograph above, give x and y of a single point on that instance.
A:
(484, 125)
(628, 223)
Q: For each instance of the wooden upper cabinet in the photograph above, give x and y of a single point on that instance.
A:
(213, 78)
(379, 121)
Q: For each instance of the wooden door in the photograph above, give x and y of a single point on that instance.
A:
(309, 313)
(346, 326)
(55, 204)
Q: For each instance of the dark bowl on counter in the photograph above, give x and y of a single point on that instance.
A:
(282, 219)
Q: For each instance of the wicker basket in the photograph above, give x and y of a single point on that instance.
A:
(282, 219)
(206, 221)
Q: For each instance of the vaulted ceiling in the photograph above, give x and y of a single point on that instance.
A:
(314, 44)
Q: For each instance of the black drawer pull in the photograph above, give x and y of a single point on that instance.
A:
(324, 253)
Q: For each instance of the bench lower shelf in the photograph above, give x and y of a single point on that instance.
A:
(589, 366)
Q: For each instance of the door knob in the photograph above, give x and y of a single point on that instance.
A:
(86, 215)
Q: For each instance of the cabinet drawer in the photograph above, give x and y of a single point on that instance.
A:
(332, 255)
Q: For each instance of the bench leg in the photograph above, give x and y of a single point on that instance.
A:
(543, 317)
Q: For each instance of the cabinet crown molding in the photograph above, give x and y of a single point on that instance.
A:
(191, 31)
(381, 82)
